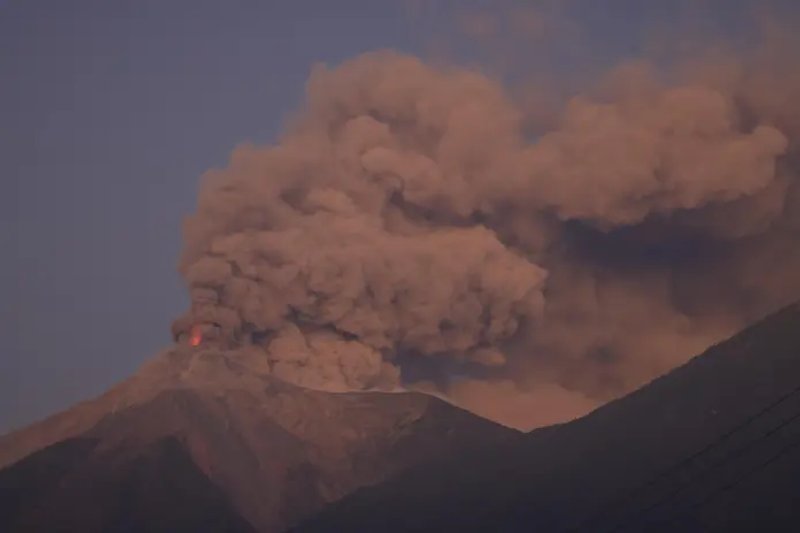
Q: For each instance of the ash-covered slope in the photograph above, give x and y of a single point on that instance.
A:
(712, 446)
(260, 452)
(74, 486)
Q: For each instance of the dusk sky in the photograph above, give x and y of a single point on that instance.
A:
(111, 111)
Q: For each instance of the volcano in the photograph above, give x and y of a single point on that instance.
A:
(201, 439)
(713, 446)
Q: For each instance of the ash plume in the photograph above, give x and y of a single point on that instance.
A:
(407, 228)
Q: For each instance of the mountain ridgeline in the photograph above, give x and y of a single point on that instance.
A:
(712, 446)
(201, 440)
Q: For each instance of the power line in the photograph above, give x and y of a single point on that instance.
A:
(733, 484)
(630, 495)
(726, 459)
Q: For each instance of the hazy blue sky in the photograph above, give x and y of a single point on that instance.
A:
(110, 111)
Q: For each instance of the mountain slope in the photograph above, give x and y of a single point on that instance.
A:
(71, 486)
(272, 452)
(624, 467)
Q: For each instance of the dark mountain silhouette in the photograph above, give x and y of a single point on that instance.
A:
(75, 487)
(712, 446)
(201, 440)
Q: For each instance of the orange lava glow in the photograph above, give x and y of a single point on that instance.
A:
(196, 336)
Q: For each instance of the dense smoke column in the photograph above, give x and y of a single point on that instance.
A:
(406, 217)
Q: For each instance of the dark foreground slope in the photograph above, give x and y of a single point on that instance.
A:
(201, 441)
(73, 486)
(712, 446)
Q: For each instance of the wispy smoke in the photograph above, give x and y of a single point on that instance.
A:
(407, 222)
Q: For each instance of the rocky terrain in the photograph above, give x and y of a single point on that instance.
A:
(228, 445)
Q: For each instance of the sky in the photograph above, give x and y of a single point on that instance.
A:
(110, 111)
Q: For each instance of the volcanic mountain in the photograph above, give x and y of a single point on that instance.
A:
(202, 439)
(712, 446)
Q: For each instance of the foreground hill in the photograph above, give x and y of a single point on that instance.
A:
(712, 446)
(73, 486)
(200, 440)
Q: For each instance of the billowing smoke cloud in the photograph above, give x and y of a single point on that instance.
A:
(407, 228)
